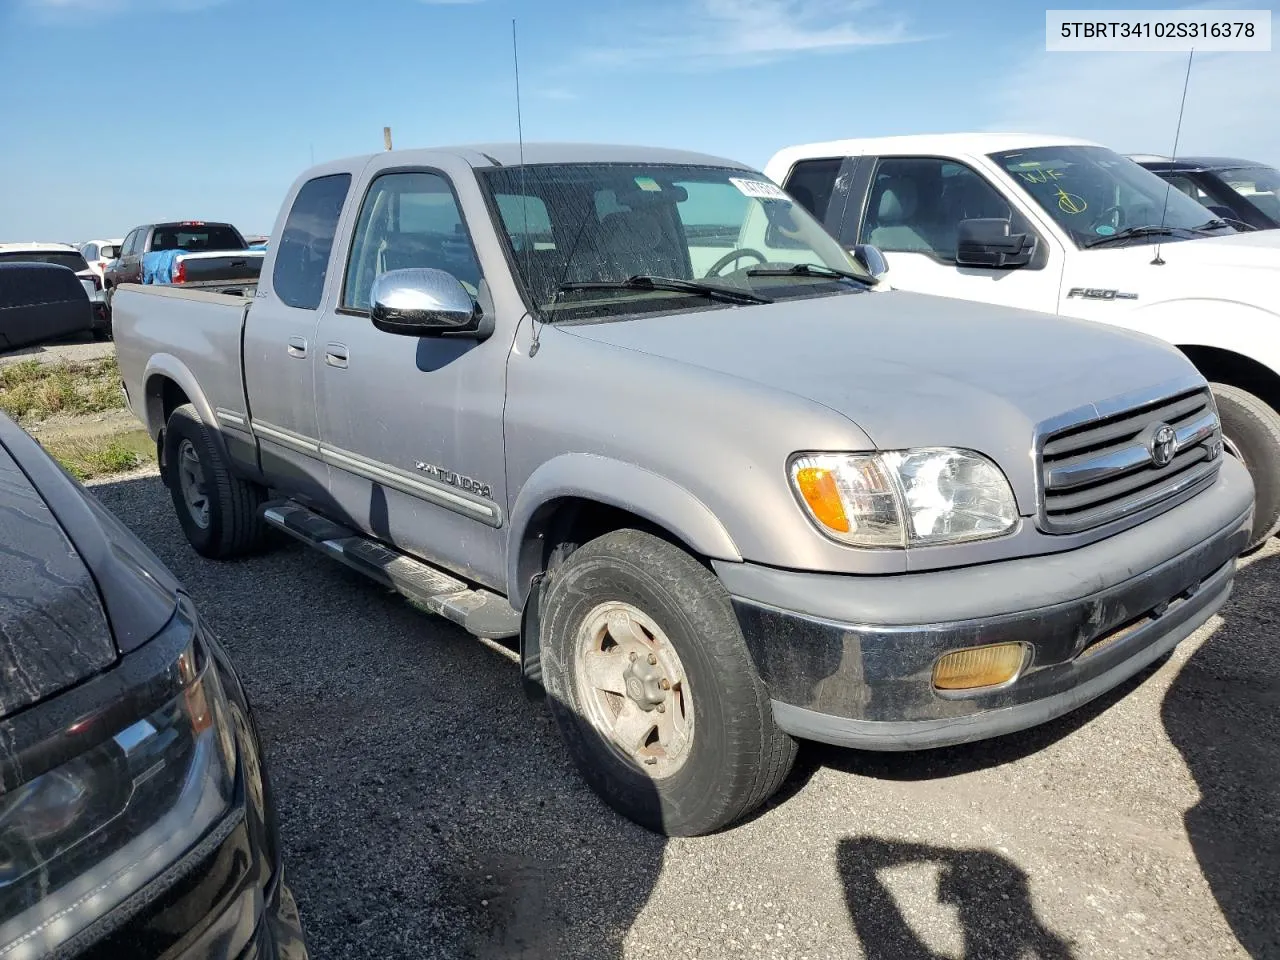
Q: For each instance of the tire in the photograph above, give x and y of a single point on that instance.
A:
(1251, 431)
(231, 525)
(731, 757)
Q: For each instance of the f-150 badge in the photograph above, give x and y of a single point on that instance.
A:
(1093, 293)
(455, 479)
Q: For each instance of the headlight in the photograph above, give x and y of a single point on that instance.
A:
(905, 497)
(79, 840)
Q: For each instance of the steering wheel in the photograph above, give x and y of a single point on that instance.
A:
(731, 257)
(1116, 213)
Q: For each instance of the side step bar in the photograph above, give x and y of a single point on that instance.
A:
(479, 612)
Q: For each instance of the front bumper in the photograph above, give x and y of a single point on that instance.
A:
(848, 660)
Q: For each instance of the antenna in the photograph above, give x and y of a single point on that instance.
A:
(1158, 261)
(525, 241)
(386, 137)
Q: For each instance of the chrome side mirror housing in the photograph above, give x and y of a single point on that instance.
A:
(422, 302)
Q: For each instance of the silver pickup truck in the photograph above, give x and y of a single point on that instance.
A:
(636, 408)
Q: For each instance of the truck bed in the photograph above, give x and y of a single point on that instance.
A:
(192, 335)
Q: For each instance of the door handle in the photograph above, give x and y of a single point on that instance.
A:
(335, 355)
(297, 347)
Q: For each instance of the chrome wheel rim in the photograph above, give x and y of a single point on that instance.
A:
(633, 688)
(191, 483)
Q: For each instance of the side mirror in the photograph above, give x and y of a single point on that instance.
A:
(870, 259)
(422, 302)
(40, 302)
(987, 242)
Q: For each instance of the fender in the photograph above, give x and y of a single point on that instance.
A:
(1210, 322)
(168, 366)
(618, 484)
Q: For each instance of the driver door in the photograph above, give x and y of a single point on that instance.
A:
(912, 211)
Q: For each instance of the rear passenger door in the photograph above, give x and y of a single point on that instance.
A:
(279, 343)
(911, 209)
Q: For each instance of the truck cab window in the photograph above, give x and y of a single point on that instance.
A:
(916, 205)
(408, 220)
(302, 260)
(812, 182)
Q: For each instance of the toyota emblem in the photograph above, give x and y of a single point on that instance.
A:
(1164, 444)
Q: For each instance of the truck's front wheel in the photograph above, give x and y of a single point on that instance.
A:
(218, 511)
(653, 689)
(1251, 432)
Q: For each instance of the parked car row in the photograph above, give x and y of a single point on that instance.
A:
(65, 255)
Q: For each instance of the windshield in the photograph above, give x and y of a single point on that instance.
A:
(59, 258)
(1094, 193)
(602, 224)
(1258, 185)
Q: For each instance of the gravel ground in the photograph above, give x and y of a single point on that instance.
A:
(428, 810)
(73, 351)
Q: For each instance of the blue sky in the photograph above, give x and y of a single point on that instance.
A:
(119, 112)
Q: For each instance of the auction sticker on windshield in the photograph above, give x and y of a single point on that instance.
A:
(1205, 30)
(759, 189)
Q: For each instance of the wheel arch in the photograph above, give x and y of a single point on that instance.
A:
(1220, 365)
(575, 497)
(167, 385)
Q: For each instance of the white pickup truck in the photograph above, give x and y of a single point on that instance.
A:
(1066, 226)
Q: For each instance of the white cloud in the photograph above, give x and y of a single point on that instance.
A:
(1129, 101)
(701, 34)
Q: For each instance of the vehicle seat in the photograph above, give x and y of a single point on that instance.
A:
(633, 242)
(895, 224)
(1267, 203)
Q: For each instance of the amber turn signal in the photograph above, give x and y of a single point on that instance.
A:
(818, 487)
(977, 667)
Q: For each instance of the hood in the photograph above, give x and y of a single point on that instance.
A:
(1256, 249)
(77, 589)
(53, 632)
(913, 370)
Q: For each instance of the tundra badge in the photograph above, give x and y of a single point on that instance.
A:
(455, 479)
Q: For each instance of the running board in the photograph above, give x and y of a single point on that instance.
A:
(479, 612)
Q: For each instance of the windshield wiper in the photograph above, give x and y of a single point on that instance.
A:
(1130, 233)
(1217, 223)
(811, 270)
(647, 282)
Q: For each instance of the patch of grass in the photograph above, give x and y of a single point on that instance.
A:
(31, 391)
(89, 457)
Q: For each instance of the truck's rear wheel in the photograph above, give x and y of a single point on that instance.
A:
(218, 511)
(1251, 433)
(653, 689)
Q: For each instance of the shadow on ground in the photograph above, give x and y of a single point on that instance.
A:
(1223, 713)
(988, 893)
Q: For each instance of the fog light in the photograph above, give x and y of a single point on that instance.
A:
(977, 667)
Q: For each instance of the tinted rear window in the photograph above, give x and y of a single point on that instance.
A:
(195, 239)
(73, 260)
(302, 259)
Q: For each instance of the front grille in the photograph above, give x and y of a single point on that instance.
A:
(1101, 470)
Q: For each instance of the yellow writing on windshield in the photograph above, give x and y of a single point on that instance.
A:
(1040, 176)
(1070, 203)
